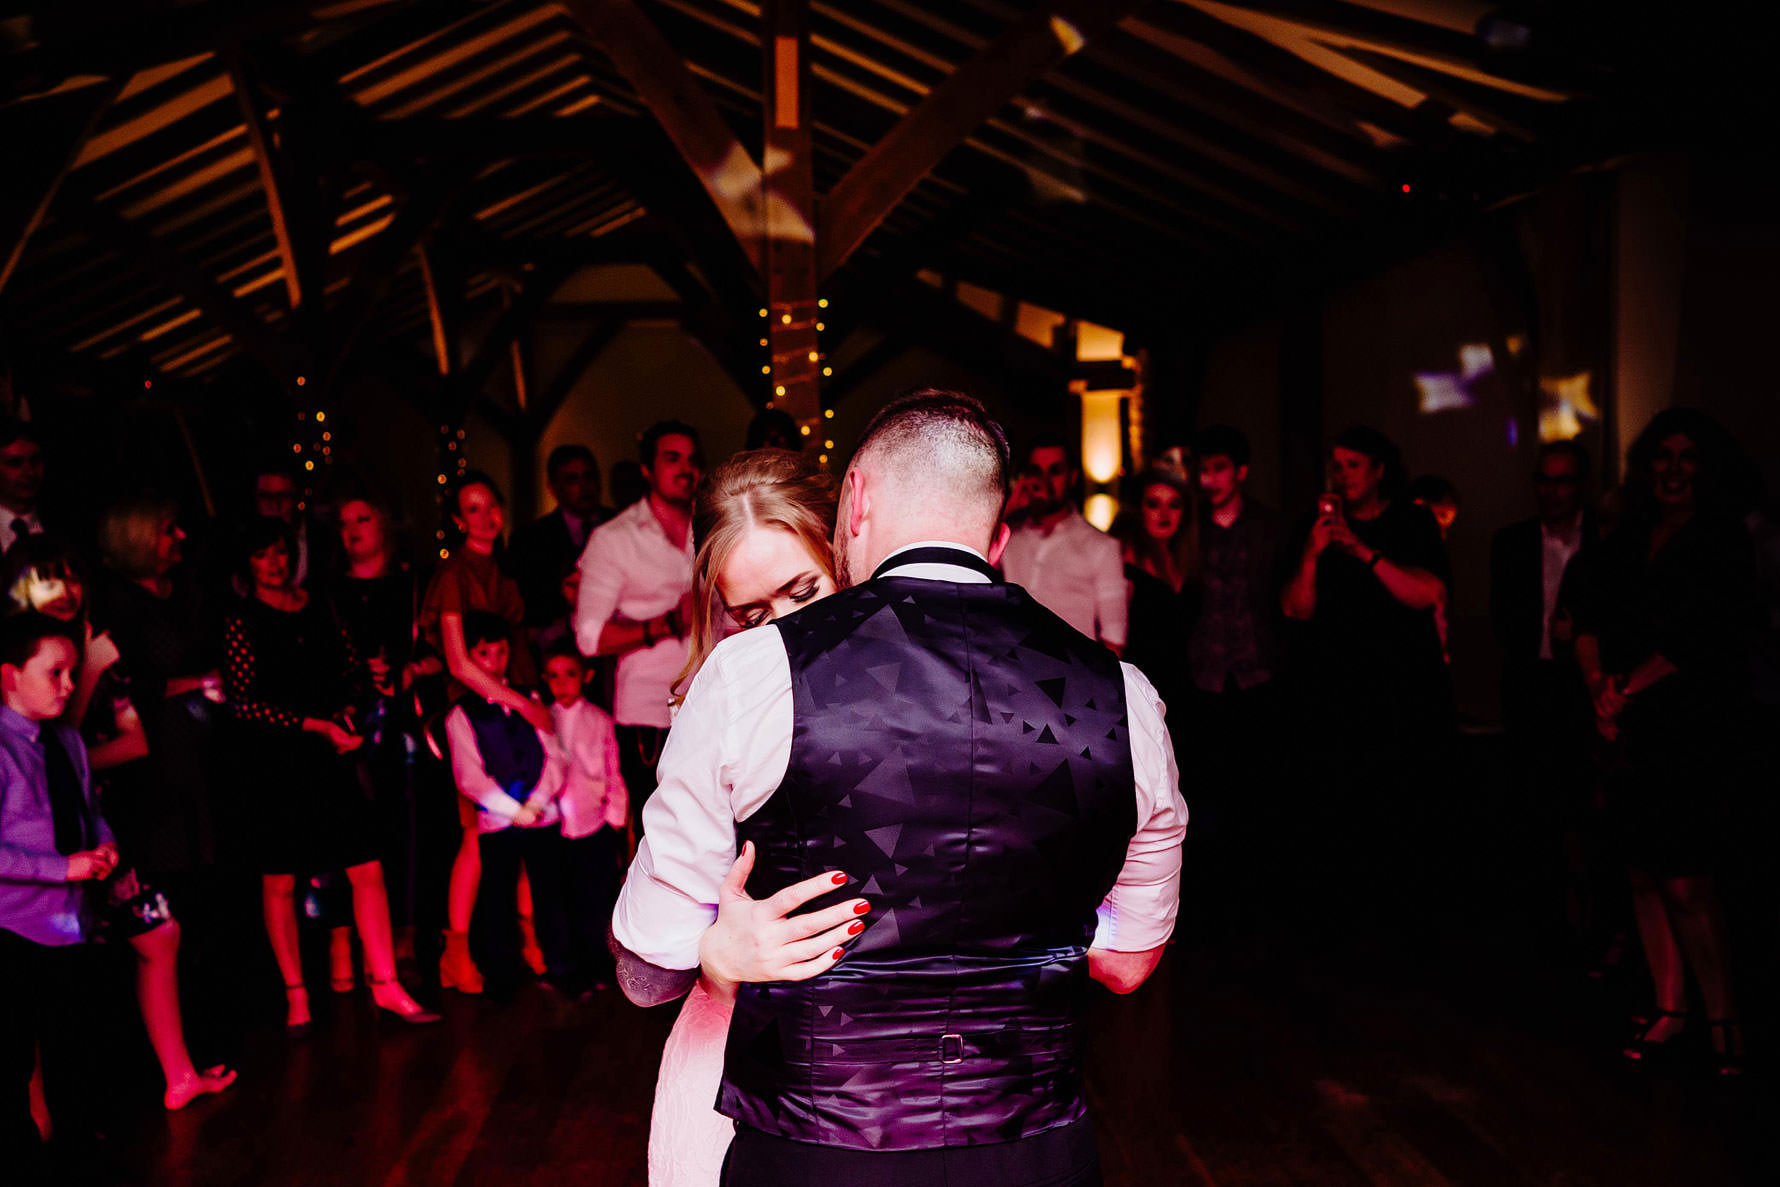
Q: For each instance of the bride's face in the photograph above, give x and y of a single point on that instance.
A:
(770, 573)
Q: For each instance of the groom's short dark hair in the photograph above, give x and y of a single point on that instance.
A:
(932, 416)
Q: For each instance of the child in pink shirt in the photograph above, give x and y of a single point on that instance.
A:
(595, 805)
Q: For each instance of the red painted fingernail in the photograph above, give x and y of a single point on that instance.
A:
(855, 928)
(836, 954)
(861, 907)
(840, 879)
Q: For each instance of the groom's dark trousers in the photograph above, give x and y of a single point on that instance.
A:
(1062, 1157)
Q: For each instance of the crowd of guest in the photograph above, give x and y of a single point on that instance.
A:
(439, 775)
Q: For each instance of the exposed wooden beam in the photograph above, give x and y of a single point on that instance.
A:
(1389, 30)
(1505, 113)
(290, 202)
(153, 258)
(41, 157)
(372, 278)
(549, 400)
(1309, 86)
(790, 213)
(442, 279)
(520, 315)
(659, 75)
(950, 112)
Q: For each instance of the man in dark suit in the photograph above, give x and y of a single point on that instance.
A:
(1527, 562)
(544, 550)
(1545, 706)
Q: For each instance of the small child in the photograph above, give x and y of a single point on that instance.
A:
(595, 806)
(52, 839)
(514, 773)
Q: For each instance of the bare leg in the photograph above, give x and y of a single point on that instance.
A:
(340, 958)
(157, 992)
(278, 900)
(370, 909)
(1667, 972)
(466, 874)
(1699, 924)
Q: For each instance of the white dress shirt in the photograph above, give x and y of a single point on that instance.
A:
(1076, 571)
(11, 522)
(630, 569)
(593, 792)
(731, 747)
(473, 779)
(1555, 551)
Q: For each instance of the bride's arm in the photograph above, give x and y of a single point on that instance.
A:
(752, 940)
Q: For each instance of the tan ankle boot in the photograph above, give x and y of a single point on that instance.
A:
(456, 969)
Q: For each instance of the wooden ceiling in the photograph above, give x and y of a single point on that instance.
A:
(291, 183)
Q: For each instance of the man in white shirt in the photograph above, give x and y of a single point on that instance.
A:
(1073, 568)
(636, 582)
(21, 481)
(983, 831)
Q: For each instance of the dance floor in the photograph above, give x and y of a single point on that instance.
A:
(1238, 1065)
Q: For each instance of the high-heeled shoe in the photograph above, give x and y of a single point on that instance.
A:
(1643, 1048)
(405, 1009)
(297, 1030)
(1727, 1046)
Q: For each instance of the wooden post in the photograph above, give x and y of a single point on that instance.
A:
(789, 203)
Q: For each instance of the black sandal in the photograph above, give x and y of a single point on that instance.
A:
(1644, 1048)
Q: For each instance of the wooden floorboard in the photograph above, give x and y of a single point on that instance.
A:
(1244, 1066)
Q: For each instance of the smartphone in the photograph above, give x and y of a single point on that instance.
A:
(1328, 506)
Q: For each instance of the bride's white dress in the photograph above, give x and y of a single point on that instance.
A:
(687, 1135)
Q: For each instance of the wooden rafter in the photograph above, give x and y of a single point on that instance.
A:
(1485, 104)
(790, 211)
(289, 202)
(39, 176)
(549, 399)
(147, 253)
(659, 75)
(952, 111)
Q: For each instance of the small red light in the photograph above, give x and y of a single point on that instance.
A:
(1406, 187)
(147, 383)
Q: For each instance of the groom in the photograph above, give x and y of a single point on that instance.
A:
(1000, 788)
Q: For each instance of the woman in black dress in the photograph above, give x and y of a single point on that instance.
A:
(166, 638)
(1162, 568)
(292, 676)
(1662, 624)
(377, 601)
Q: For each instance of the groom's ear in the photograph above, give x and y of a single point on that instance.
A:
(998, 543)
(858, 501)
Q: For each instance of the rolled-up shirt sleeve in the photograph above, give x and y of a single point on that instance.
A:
(1139, 913)
(725, 756)
(602, 580)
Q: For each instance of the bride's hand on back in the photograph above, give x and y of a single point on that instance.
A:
(760, 940)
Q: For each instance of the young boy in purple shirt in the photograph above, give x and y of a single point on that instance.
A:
(53, 841)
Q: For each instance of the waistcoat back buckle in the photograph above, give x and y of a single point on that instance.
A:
(951, 1049)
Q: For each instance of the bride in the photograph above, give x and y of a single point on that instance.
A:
(763, 523)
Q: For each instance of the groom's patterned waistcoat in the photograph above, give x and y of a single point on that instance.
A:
(963, 754)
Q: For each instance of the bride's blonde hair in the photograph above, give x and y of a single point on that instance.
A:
(775, 487)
